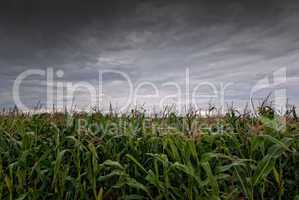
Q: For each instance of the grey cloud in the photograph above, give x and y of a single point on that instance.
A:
(220, 41)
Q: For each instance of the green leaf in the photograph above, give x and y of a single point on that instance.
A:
(136, 162)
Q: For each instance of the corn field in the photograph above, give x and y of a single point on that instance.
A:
(134, 156)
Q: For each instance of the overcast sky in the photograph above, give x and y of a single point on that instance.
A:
(219, 41)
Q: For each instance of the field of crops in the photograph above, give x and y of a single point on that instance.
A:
(133, 156)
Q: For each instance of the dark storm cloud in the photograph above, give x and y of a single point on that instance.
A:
(219, 40)
(59, 32)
